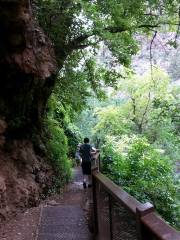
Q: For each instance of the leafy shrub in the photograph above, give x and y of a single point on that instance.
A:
(74, 137)
(58, 148)
(143, 172)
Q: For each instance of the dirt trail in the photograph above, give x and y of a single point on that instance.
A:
(25, 226)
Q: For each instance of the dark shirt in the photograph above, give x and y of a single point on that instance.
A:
(85, 151)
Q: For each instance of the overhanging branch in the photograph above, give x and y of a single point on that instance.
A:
(76, 42)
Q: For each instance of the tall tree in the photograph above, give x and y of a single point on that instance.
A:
(75, 25)
(81, 27)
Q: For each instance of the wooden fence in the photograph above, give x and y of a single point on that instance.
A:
(119, 216)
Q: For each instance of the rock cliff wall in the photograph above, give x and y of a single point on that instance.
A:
(27, 75)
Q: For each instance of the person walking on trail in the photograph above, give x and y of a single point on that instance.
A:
(85, 151)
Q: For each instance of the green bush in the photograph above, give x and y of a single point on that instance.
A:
(74, 138)
(143, 172)
(58, 149)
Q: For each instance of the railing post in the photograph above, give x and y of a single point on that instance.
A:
(99, 163)
(95, 213)
(141, 211)
(110, 216)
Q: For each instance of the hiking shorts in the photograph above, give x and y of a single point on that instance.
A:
(86, 168)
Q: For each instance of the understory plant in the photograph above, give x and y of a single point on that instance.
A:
(57, 147)
(144, 172)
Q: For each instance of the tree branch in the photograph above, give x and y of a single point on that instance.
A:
(150, 52)
(118, 29)
(145, 112)
(178, 29)
(149, 26)
(75, 43)
(134, 119)
(113, 29)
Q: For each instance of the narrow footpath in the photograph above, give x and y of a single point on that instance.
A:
(67, 218)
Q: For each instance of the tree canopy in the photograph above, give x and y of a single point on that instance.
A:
(75, 25)
(78, 28)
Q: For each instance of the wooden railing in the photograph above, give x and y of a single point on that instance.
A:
(119, 216)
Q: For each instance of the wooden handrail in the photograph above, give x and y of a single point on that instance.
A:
(147, 221)
(117, 192)
(159, 227)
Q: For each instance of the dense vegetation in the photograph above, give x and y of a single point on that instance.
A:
(135, 117)
(138, 126)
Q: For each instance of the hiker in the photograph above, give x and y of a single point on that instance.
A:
(85, 151)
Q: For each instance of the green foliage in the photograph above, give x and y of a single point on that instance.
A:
(76, 25)
(144, 172)
(140, 134)
(150, 107)
(112, 121)
(79, 28)
(56, 110)
(58, 149)
(85, 122)
(63, 116)
(74, 138)
(141, 91)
